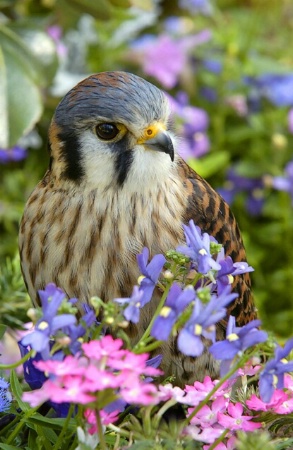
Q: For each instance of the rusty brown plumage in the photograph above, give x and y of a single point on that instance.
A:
(103, 200)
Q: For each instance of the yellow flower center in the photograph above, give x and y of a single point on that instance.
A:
(232, 337)
(202, 252)
(165, 311)
(197, 329)
(43, 325)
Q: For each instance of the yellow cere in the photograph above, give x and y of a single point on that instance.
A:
(151, 131)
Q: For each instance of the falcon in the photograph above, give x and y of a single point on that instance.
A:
(116, 184)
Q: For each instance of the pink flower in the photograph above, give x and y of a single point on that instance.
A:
(249, 369)
(236, 421)
(207, 435)
(164, 57)
(105, 348)
(208, 416)
(106, 418)
(69, 366)
(197, 392)
(134, 364)
(167, 391)
(256, 404)
(102, 379)
(140, 394)
(230, 445)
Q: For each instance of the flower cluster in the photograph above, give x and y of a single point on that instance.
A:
(101, 365)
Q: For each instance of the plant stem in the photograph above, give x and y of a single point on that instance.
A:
(17, 363)
(219, 440)
(64, 428)
(157, 312)
(240, 363)
(162, 410)
(100, 430)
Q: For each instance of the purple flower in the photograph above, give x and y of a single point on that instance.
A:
(198, 248)
(202, 323)
(131, 312)
(239, 183)
(225, 275)
(277, 88)
(196, 6)
(290, 120)
(151, 273)
(15, 154)
(55, 32)
(5, 395)
(175, 52)
(193, 124)
(176, 302)
(238, 339)
(39, 339)
(285, 183)
(273, 374)
(76, 332)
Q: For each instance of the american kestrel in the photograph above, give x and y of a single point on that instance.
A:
(116, 184)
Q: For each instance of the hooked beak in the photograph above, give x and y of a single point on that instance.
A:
(161, 142)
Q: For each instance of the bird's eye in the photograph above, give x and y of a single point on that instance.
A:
(107, 131)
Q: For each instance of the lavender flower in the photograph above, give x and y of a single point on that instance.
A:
(131, 312)
(202, 323)
(285, 183)
(151, 273)
(252, 186)
(277, 88)
(12, 154)
(273, 374)
(39, 339)
(238, 339)
(198, 249)
(225, 275)
(176, 302)
(196, 6)
(5, 395)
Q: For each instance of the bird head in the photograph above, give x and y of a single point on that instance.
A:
(110, 128)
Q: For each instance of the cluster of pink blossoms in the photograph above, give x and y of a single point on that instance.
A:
(101, 365)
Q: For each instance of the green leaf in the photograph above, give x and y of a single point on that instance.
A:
(21, 103)
(8, 447)
(17, 392)
(2, 330)
(210, 164)
(99, 10)
(38, 419)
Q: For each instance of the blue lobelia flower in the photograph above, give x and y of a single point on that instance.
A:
(238, 339)
(176, 302)
(229, 269)
(273, 374)
(50, 322)
(150, 272)
(132, 311)
(202, 323)
(198, 248)
(5, 395)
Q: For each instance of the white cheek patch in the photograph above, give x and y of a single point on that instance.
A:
(97, 160)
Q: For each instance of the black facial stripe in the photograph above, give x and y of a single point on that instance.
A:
(123, 160)
(71, 154)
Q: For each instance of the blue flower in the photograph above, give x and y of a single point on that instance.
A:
(5, 395)
(238, 339)
(198, 248)
(76, 332)
(202, 323)
(132, 311)
(15, 154)
(277, 88)
(254, 187)
(225, 276)
(39, 339)
(150, 272)
(176, 302)
(285, 183)
(273, 374)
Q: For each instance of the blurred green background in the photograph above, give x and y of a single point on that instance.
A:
(228, 66)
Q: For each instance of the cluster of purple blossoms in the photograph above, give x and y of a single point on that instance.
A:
(253, 187)
(192, 124)
(285, 183)
(13, 154)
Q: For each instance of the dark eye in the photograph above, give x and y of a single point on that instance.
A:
(106, 131)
